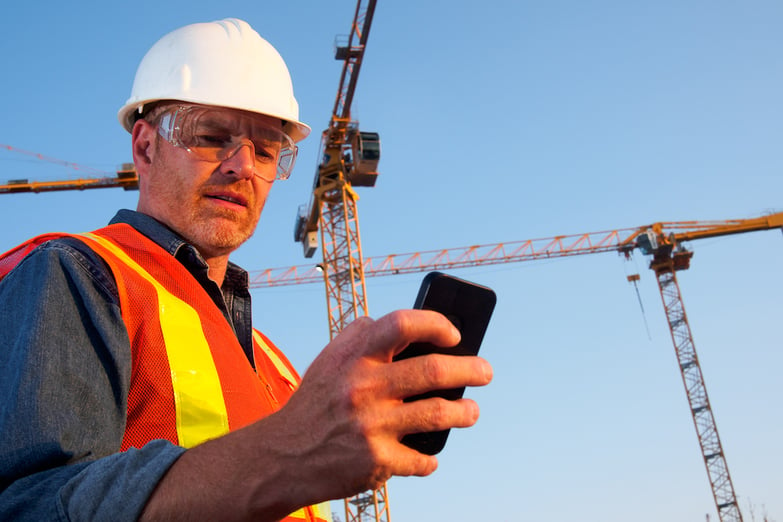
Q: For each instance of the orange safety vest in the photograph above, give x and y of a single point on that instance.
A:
(190, 379)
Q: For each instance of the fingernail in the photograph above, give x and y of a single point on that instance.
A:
(488, 371)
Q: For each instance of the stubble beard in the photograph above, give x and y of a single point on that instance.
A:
(221, 230)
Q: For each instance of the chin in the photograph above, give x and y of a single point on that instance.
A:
(229, 240)
(221, 234)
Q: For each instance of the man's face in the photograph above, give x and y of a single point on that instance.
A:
(214, 204)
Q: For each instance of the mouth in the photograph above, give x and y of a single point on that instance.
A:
(233, 199)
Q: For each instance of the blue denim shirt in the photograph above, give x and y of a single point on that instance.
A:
(64, 377)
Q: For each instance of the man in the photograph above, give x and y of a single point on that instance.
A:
(133, 384)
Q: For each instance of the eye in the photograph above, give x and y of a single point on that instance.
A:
(211, 140)
(266, 151)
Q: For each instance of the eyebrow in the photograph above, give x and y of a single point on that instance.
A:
(219, 124)
(232, 126)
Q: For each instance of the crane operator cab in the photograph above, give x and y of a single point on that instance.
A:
(366, 147)
(353, 159)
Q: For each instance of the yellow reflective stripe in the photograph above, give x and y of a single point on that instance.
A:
(279, 364)
(299, 513)
(322, 511)
(200, 409)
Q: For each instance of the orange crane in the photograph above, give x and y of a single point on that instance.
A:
(349, 158)
(664, 241)
(125, 177)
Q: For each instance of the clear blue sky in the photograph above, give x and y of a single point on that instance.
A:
(500, 121)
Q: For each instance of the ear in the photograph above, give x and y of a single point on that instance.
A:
(143, 137)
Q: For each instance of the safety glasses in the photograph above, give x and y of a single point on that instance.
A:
(215, 135)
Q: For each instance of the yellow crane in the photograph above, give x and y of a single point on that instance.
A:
(349, 158)
(664, 241)
(125, 177)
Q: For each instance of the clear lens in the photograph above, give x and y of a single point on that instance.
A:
(216, 135)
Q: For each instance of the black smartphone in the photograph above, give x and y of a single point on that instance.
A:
(469, 307)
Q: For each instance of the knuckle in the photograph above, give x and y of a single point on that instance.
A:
(360, 391)
(364, 320)
(440, 412)
(362, 324)
(434, 369)
(355, 398)
(377, 468)
(378, 478)
(399, 321)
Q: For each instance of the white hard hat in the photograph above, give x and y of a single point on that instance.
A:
(225, 64)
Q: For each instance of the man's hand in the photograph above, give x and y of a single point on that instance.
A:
(352, 397)
(340, 432)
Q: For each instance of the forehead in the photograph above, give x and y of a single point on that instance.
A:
(235, 119)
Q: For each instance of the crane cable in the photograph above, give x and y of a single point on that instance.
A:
(63, 163)
(634, 278)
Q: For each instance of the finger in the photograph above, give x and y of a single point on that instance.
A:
(426, 373)
(393, 332)
(408, 462)
(415, 464)
(436, 414)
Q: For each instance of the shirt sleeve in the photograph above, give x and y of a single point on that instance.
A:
(65, 365)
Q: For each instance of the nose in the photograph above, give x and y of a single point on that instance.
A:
(241, 162)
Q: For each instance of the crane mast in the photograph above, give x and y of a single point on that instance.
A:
(349, 158)
(665, 264)
(669, 257)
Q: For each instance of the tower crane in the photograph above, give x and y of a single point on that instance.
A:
(664, 241)
(349, 158)
(125, 177)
